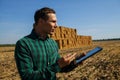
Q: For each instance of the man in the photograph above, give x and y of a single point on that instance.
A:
(37, 55)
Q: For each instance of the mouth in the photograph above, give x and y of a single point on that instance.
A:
(52, 30)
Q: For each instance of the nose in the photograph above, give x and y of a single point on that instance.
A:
(56, 25)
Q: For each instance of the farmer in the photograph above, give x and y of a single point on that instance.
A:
(36, 54)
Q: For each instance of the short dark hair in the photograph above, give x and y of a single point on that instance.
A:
(42, 13)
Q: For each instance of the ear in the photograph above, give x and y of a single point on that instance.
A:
(41, 21)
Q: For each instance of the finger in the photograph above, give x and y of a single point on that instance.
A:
(84, 53)
(72, 57)
(66, 58)
(75, 54)
(67, 55)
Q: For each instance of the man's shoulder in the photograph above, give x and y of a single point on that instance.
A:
(23, 39)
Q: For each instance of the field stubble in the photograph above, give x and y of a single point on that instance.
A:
(103, 66)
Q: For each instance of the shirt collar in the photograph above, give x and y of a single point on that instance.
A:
(35, 36)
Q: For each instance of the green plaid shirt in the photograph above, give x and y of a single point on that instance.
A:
(36, 59)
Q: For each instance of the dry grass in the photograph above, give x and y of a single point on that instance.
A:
(103, 66)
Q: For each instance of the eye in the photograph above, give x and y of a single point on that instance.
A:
(54, 21)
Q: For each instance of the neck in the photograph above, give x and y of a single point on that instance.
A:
(41, 34)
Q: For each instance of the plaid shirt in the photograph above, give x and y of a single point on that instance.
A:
(36, 59)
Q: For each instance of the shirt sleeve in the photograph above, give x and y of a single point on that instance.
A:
(25, 65)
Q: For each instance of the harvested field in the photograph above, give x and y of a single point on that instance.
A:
(103, 66)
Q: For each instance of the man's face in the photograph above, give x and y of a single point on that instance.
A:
(48, 26)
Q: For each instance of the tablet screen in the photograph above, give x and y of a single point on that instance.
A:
(89, 54)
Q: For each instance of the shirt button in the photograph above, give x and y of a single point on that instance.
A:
(48, 63)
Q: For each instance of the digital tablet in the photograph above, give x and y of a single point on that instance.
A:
(89, 54)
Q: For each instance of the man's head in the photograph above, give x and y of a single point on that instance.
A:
(45, 21)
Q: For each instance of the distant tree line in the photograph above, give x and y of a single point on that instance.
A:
(107, 39)
(12, 45)
(8, 45)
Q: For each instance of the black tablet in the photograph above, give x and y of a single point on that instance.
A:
(89, 54)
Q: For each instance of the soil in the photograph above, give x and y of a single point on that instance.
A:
(102, 66)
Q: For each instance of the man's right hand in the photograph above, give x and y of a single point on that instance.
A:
(66, 60)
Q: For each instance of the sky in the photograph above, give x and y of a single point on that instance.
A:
(97, 18)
